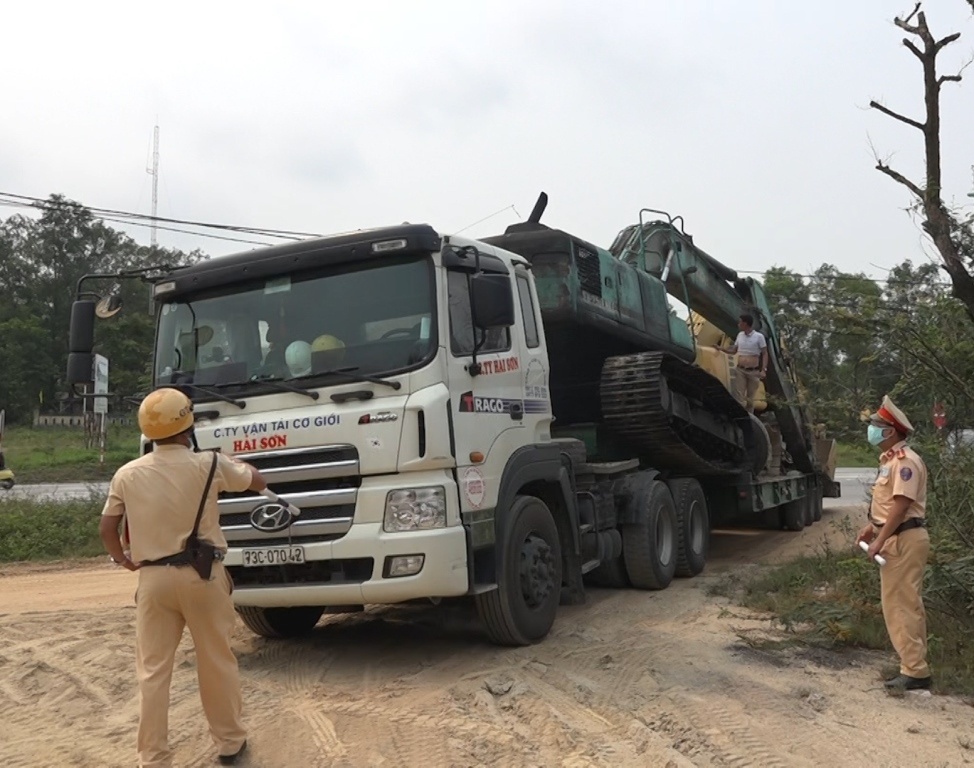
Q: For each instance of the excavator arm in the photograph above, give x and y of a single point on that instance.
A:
(718, 294)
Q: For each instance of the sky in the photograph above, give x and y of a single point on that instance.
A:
(750, 118)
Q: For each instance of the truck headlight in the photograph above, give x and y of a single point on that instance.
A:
(415, 509)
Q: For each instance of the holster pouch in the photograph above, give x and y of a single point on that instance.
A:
(201, 556)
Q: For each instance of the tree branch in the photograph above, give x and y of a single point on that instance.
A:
(948, 78)
(909, 121)
(905, 23)
(946, 41)
(883, 168)
(916, 51)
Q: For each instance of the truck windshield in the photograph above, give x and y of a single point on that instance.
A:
(376, 318)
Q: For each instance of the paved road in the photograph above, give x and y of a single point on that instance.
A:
(855, 483)
(56, 491)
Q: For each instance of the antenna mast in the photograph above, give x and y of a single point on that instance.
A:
(154, 172)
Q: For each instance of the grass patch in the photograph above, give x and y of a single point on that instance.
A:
(33, 530)
(59, 455)
(857, 455)
(831, 600)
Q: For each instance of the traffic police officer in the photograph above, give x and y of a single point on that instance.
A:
(157, 496)
(896, 530)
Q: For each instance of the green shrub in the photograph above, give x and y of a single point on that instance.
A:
(59, 455)
(32, 530)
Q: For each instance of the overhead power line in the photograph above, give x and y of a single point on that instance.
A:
(132, 217)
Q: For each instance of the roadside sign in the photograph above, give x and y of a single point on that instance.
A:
(100, 376)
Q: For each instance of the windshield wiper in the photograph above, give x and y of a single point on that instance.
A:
(350, 375)
(283, 386)
(212, 393)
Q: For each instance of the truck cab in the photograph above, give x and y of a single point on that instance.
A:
(383, 382)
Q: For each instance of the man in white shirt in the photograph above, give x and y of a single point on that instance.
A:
(752, 361)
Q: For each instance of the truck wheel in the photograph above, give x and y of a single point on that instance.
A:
(610, 574)
(522, 609)
(793, 515)
(649, 544)
(280, 622)
(692, 526)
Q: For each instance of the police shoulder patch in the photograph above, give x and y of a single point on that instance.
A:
(906, 473)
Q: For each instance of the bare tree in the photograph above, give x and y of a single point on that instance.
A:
(938, 222)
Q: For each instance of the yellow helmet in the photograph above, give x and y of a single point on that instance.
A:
(164, 413)
(326, 342)
(335, 348)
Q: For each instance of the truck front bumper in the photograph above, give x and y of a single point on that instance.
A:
(443, 574)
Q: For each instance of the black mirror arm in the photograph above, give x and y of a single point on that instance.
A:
(474, 369)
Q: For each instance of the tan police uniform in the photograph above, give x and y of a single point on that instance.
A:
(903, 473)
(159, 495)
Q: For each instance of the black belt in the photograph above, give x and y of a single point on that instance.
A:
(180, 558)
(742, 368)
(906, 525)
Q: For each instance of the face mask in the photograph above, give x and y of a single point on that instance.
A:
(875, 434)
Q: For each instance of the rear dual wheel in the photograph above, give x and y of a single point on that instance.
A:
(692, 526)
(649, 545)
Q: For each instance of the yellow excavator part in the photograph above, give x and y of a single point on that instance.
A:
(719, 364)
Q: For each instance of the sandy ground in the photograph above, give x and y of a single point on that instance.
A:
(630, 678)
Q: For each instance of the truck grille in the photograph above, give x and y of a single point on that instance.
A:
(322, 481)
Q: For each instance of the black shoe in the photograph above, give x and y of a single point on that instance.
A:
(907, 683)
(232, 759)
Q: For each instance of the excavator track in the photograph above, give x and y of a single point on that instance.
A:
(636, 405)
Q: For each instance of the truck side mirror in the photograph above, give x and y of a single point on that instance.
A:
(81, 340)
(491, 301)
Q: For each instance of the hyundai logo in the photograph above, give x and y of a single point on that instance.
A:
(271, 517)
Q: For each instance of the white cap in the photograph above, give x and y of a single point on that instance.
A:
(298, 358)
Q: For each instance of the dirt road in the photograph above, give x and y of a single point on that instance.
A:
(631, 678)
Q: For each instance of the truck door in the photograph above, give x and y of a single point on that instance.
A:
(488, 408)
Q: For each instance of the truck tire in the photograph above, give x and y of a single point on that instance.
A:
(280, 622)
(610, 574)
(692, 526)
(793, 515)
(649, 544)
(521, 611)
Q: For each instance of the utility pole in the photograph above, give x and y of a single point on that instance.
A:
(154, 172)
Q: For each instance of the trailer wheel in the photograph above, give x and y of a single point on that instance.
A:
(280, 622)
(817, 503)
(692, 526)
(522, 609)
(808, 504)
(649, 544)
(793, 515)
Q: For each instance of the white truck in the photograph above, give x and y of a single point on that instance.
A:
(395, 385)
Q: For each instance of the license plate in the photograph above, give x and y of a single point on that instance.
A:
(272, 556)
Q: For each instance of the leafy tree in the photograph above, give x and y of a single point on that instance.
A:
(41, 262)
